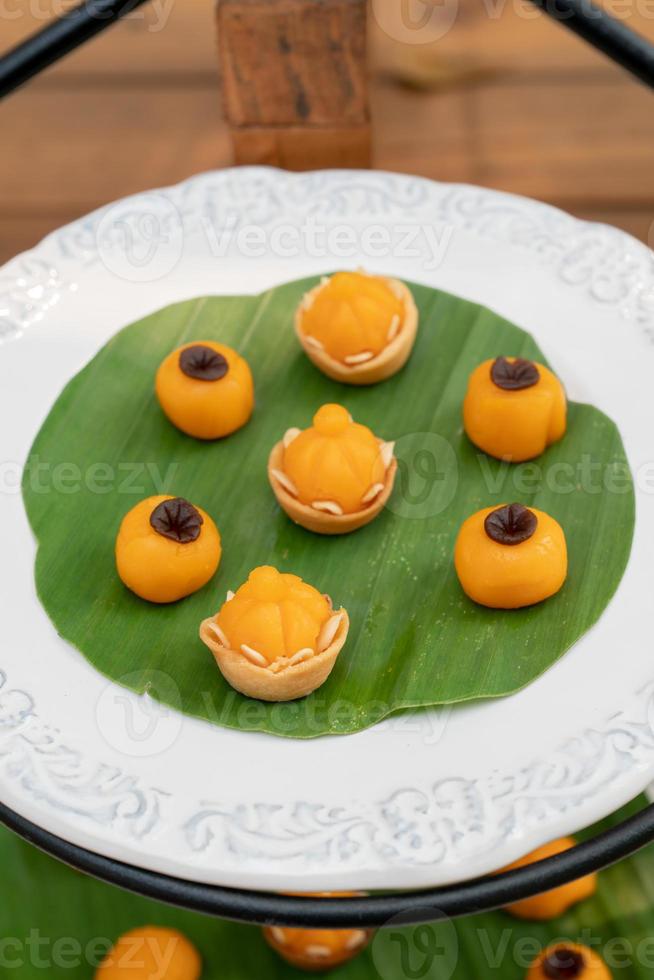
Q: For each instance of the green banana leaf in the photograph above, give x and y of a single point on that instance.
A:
(415, 639)
(57, 923)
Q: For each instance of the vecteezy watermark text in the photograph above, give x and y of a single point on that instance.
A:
(423, 242)
(144, 242)
(40, 952)
(67, 478)
(144, 725)
(154, 16)
(428, 21)
(427, 482)
(430, 950)
(137, 953)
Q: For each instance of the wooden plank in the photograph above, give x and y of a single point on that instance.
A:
(179, 38)
(18, 233)
(494, 35)
(587, 142)
(429, 135)
(105, 144)
(536, 139)
(590, 143)
(114, 142)
(161, 36)
(292, 62)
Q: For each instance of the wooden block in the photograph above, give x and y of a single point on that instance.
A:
(289, 62)
(302, 147)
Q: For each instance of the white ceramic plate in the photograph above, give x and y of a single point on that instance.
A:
(416, 801)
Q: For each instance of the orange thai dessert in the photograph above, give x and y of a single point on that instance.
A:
(317, 949)
(514, 409)
(276, 638)
(568, 961)
(510, 556)
(551, 904)
(148, 952)
(166, 549)
(333, 477)
(356, 327)
(205, 389)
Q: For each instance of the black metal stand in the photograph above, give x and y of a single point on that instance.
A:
(605, 33)
(263, 908)
(58, 39)
(62, 36)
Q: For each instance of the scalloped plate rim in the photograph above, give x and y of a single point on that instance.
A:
(405, 838)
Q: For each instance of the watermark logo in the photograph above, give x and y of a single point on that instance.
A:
(141, 242)
(140, 726)
(427, 21)
(427, 476)
(415, 21)
(426, 484)
(428, 951)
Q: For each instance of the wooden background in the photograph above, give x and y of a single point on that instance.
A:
(526, 108)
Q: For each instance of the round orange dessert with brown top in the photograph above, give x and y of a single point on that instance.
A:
(317, 949)
(510, 556)
(514, 408)
(568, 961)
(356, 327)
(277, 638)
(166, 548)
(205, 389)
(553, 903)
(333, 477)
(148, 952)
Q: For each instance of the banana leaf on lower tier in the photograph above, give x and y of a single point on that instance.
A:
(56, 922)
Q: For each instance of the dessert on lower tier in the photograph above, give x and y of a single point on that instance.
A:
(166, 549)
(514, 409)
(277, 638)
(510, 556)
(551, 904)
(333, 477)
(148, 952)
(568, 961)
(356, 327)
(205, 389)
(316, 950)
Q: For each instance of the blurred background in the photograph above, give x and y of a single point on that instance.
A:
(504, 98)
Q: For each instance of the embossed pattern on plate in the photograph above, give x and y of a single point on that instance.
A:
(419, 801)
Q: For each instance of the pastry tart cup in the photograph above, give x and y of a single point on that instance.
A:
(319, 521)
(385, 364)
(285, 684)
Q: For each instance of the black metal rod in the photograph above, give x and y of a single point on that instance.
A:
(263, 908)
(58, 39)
(605, 33)
(583, 17)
